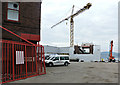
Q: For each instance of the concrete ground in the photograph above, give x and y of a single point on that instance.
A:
(83, 72)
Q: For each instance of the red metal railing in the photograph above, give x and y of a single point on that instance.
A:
(20, 60)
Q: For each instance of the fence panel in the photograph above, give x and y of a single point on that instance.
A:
(21, 60)
(41, 60)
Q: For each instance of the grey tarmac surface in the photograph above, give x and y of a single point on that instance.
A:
(82, 72)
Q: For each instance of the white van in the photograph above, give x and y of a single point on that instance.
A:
(57, 60)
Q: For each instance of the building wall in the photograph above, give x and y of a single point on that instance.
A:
(29, 23)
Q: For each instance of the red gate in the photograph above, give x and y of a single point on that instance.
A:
(21, 60)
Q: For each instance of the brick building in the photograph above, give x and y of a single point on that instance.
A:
(20, 55)
(22, 18)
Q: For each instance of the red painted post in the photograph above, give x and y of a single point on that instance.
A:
(19, 58)
(5, 62)
(2, 60)
(0, 64)
(36, 59)
(26, 60)
(7, 48)
(32, 59)
(13, 61)
(41, 56)
(21, 64)
(44, 60)
(10, 60)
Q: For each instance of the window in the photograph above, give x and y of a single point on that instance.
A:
(13, 11)
(86, 50)
(56, 58)
(66, 58)
(61, 58)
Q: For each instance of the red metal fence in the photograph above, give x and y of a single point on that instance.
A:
(20, 60)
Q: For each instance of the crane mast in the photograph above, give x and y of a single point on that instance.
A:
(72, 21)
(72, 29)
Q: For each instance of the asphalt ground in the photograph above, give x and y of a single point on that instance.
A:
(82, 72)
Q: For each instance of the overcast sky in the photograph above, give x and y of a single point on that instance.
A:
(98, 25)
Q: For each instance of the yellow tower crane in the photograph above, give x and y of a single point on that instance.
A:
(72, 21)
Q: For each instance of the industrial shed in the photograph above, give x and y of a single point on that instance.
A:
(92, 55)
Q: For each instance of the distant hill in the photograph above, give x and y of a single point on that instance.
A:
(105, 55)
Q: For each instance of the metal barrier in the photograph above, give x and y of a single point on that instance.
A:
(21, 60)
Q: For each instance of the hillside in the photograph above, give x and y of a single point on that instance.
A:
(105, 55)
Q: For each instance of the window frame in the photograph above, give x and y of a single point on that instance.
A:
(14, 10)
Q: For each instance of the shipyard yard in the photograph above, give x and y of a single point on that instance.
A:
(82, 72)
(37, 37)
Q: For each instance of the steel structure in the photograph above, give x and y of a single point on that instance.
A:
(111, 58)
(72, 22)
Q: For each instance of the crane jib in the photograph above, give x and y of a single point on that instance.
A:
(75, 14)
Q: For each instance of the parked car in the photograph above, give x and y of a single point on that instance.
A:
(57, 60)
